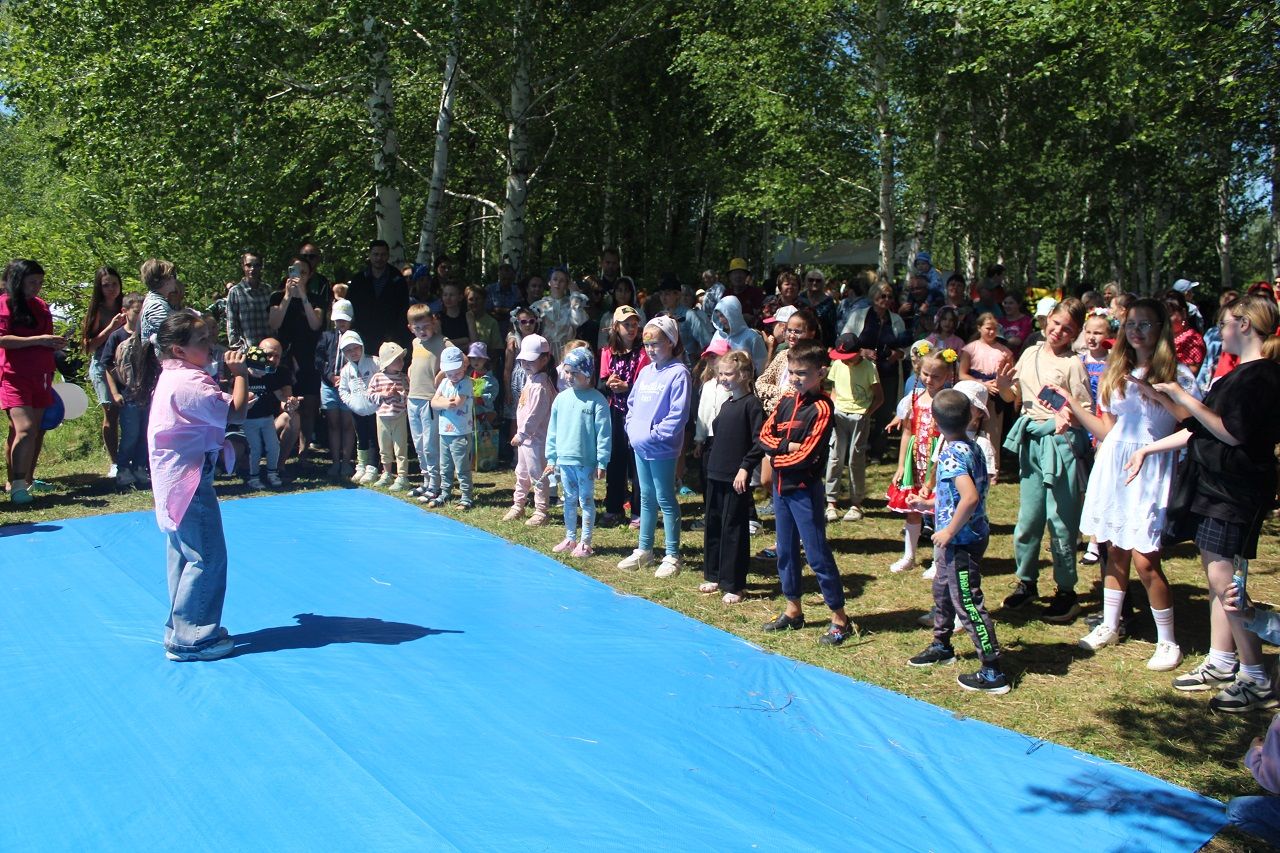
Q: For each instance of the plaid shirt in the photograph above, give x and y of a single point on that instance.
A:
(247, 309)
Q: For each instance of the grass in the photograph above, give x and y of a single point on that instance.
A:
(1108, 704)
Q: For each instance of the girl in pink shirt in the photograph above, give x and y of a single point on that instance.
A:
(185, 436)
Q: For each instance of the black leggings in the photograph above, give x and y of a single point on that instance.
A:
(366, 431)
(621, 472)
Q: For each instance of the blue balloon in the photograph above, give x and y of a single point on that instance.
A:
(54, 413)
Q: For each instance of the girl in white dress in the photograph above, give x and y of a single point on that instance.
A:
(1130, 516)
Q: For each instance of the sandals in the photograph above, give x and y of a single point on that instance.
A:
(708, 587)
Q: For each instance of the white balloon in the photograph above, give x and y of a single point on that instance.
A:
(74, 400)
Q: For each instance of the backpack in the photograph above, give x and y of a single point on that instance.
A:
(136, 368)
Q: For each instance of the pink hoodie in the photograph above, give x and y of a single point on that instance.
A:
(188, 419)
(533, 413)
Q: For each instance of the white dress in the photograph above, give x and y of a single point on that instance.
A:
(1132, 516)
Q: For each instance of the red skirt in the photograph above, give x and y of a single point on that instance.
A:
(897, 496)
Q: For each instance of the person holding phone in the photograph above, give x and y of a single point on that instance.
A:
(297, 325)
(1051, 447)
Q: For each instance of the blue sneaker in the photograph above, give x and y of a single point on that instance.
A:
(685, 491)
(986, 680)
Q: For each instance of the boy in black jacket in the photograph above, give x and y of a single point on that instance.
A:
(796, 437)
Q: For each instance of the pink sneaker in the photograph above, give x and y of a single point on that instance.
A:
(583, 550)
(566, 545)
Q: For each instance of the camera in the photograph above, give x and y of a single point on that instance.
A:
(255, 358)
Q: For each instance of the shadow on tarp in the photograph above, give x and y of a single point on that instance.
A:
(27, 528)
(1088, 792)
(313, 632)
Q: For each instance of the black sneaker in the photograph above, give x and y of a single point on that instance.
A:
(837, 634)
(935, 654)
(1022, 596)
(1063, 607)
(785, 623)
(986, 680)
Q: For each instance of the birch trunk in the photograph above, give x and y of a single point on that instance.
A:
(884, 129)
(440, 163)
(1275, 203)
(386, 158)
(1224, 230)
(518, 154)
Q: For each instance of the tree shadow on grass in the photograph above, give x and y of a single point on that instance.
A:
(1039, 658)
(313, 632)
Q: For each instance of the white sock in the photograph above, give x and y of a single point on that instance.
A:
(910, 538)
(1164, 625)
(1112, 601)
(1255, 672)
(1093, 547)
(1225, 661)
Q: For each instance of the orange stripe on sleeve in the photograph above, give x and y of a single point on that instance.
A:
(822, 415)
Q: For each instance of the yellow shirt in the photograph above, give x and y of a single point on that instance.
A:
(424, 366)
(852, 385)
(1039, 367)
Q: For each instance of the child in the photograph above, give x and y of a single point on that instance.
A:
(657, 410)
(981, 360)
(562, 311)
(1259, 815)
(266, 385)
(959, 543)
(131, 457)
(185, 435)
(733, 455)
(533, 412)
(579, 440)
(621, 359)
(944, 336)
(797, 435)
(523, 323)
(857, 395)
(1050, 447)
(329, 361)
(484, 388)
(387, 389)
(1097, 330)
(455, 402)
(711, 396)
(353, 390)
(915, 454)
(424, 428)
(978, 413)
(1129, 515)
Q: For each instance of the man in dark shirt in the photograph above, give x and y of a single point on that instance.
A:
(379, 296)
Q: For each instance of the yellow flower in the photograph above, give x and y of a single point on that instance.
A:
(949, 356)
(922, 348)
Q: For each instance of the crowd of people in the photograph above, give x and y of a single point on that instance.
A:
(1128, 422)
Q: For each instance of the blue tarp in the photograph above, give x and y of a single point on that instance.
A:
(406, 682)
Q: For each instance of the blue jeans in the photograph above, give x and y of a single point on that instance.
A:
(799, 517)
(455, 460)
(260, 434)
(197, 559)
(579, 487)
(1258, 816)
(658, 490)
(424, 428)
(133, 437)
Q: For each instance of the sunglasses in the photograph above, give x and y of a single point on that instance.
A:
(528, 322)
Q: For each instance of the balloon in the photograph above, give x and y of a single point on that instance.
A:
(74, 400)
(53, 414)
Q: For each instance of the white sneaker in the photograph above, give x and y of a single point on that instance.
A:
(854, 514)
(274, 479)
(400, 484)
(113, 471)
(384, 481)
(357, 476)
(754, 527)
(253, 483)
(903, 564)
(931, 572)
(1167, 657)
(370, 475)
(832, 515)
(638, 560)
(1102, 636)
(669, 567)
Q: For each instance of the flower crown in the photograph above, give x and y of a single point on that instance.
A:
(1105, 313)
(950, 356)
(921, 348)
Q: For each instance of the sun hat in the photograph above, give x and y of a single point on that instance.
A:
(976, 392)
(1045, 306)
(846, 347)
(622, 312)
(348, 338)
(478, 350)
(342, 310)
(782, 315)
(719, 346)
(532, 346)
(738, 264)
(451, 359)
(1182, 285)
(388, 353)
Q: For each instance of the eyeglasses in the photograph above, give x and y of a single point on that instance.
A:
(796, 332)
(1142, 328)
(1222, 324)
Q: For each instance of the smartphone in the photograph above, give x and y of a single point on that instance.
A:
(295, 271)
(1240, 576)
(1051, 398)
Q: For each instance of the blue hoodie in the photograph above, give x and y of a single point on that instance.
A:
(739, 335)
(580, 433)
(658, 408)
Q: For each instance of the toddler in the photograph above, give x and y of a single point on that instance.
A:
(484, 388)
(353, 390)
(915, 454)
(455, 401)
(424, 424)
(387, 389)
(579, 443)
(533, 412)
(329, 361)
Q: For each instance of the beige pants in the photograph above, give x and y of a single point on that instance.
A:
(393, 443)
